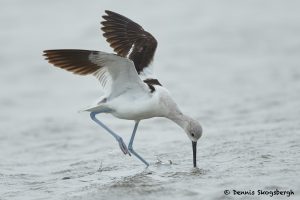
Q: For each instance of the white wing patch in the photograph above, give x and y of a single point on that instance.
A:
(105, 79)
(117, 74)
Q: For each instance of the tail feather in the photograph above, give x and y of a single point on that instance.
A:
(90, 109)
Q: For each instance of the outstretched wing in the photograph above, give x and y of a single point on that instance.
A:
(128, 39)
(116, 74)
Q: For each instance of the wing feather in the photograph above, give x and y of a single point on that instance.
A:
(116, 74)
(127, 37)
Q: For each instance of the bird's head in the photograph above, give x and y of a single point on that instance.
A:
(194, 132)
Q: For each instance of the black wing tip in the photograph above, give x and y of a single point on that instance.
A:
(46, 54)
(108, 14)
(49, 53)
(73, 60)
(46, 51)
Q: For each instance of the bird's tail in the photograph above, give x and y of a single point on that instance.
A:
(96, 108)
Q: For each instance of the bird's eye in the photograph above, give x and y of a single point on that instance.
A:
(193, 135)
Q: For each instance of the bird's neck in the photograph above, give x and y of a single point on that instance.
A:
(180, 119)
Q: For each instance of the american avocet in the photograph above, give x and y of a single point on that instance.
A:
(130, 89)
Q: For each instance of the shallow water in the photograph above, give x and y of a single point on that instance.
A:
(232, 65)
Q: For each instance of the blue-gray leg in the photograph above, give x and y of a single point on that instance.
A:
(130, 148)
(122, 145)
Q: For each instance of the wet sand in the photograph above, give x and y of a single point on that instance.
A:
(232, 65)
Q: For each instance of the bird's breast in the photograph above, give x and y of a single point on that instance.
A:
(138, 108)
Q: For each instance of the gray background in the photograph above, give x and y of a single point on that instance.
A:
(233, 65)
